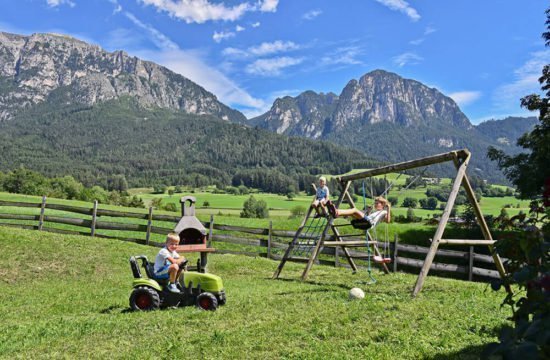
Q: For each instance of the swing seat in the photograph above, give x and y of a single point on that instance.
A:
(361, 224)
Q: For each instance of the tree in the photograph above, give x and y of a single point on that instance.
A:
(410, 215)
(410, 202)
(527, 250)
(253, 208)
(159, 189)
(529, 171)
(469, 215)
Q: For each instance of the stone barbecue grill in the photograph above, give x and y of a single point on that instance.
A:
(193, 235)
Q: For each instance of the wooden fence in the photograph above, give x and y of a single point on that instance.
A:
(269, 242)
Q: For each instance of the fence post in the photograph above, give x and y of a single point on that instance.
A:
(395, 242)
(269, 239)
(149, 223)
(42, 210)
(210, 230)
(471, 264)
(94, 219)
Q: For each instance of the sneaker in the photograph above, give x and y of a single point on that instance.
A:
(173, 288)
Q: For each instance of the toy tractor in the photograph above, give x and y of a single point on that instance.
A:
(202, 290)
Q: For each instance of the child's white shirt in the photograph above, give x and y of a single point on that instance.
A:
(162, 258)
(376, 216)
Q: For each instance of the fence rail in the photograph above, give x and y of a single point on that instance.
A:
(405, 257)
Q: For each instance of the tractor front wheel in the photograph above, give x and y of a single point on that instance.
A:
(144, 298)
(207, 301)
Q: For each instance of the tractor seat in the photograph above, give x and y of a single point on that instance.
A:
(150, 271)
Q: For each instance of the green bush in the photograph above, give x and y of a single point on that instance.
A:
(171, 207)
(253, 208)
(297, 211)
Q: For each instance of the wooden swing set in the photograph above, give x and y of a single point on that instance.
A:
(316, 240)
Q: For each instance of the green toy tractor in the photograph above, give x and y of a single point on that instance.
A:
(202, 290)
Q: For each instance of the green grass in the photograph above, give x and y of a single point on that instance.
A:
(67, 296)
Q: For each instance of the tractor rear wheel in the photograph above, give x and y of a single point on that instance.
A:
(144, 298)
(207, 301)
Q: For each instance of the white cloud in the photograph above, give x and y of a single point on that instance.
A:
(429, 30)
(234, 52)
(417, 41)
(118, 7)
(200, 11)
(269, 5)
(463, 98)
(273, 66)
(191, 65)
(273, 47)
(159, 39)
(526, 82)
(402, 6)
(266, 48)
(310, 15)
(239, 28)
(222, 35)
(256, 24)
(407, 58)
(343, 56)
(55, 3)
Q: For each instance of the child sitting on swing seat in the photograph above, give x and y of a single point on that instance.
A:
(381, 207)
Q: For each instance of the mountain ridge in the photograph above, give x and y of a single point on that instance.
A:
(35, 65)
(392, 118)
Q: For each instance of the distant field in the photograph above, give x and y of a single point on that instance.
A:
(67, 297)
(226, 209)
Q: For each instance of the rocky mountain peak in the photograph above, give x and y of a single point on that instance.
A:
(33, 67)
(377, 97)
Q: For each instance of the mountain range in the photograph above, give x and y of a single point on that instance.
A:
(69, 107)
(394, 119)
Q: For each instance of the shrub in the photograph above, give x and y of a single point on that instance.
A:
(157, 203)
(171, 207)
(253, 208)
(410, 202)
(159, 189)
(297, 211)
(136, 202)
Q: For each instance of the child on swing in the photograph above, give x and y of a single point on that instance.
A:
(381, 207)
(321, 196)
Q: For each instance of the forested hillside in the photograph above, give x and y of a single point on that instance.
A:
(118, 137)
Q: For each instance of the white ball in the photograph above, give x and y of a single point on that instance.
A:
(356, 293)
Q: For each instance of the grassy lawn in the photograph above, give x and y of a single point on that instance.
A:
(67, 296)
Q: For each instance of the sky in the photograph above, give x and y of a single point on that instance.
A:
(485, 54)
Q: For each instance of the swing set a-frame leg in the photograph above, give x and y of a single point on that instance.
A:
(483, 224)
(441, 227)
(291, 245)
